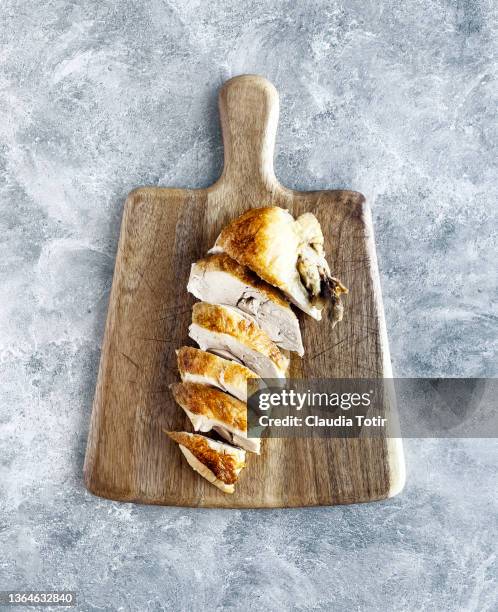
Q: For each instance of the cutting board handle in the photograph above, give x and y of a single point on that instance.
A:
(249, 116)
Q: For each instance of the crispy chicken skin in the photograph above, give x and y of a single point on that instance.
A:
(261, 239)
(211, 403)
(219, 463)
(286, 253)
(217, 327)
(199, 366)
(211, 409)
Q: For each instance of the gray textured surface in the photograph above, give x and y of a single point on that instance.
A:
(394, 99)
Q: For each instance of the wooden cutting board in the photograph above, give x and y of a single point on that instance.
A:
(163, 231)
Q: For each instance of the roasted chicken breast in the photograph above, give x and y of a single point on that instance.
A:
(208, 408)
(219, 279)
(225, 331)
(217, 462)
(287, 253)
(206, 368)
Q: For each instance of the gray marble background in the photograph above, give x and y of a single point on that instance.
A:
(394, 99)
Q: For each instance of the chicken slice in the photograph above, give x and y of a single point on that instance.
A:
(205, 368)
(219, 279)
(286, 253)
(313, 267)
(217, 462)
(223, 330)
(208, 408)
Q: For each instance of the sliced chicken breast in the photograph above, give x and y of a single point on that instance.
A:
(219, 279)
(223, 330)
(208, 408)
(217, 462)
(286, 253)
(205, 368)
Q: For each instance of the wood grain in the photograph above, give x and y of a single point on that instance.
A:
(163, 231)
